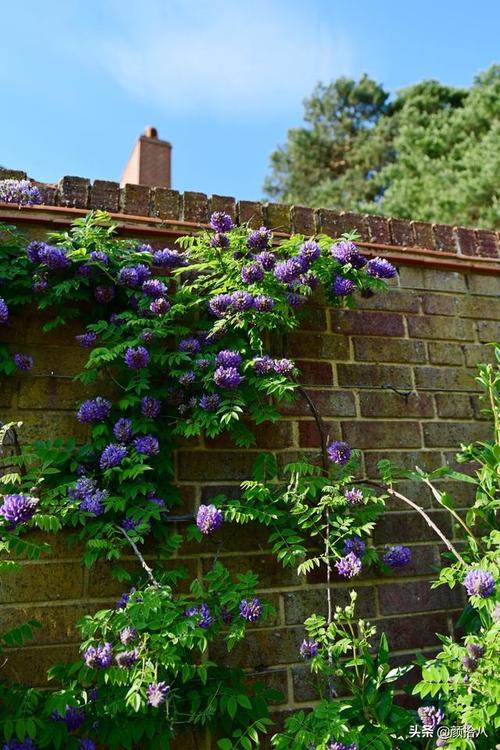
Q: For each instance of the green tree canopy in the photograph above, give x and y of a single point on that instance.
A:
(433, 153)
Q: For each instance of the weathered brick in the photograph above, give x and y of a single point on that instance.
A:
(445, 379)
(484, 284)
(440, 327)
(53, 393)
(475, 354)
(105, 195)
(58, 623)
(410, 527)
(315, 319)
(385, 404)
(454, 405)
(277, 217)
(299, 604)
(165, 203)
(414, 632)
(367, 323)
(314, 373)
(12, 174)
(29, 665)
(402, 232)
(440, 304)
(278, 435)
(479, 307)
(195, 207)
(309, 436)
(487, 244)
(329, 222)
(134, 200)
(379, 229)
(223, 203)
(389, 350)
(420, 278)
(215, 465)
(450, 434)
(354, 222)
(417, 596)
(386, 376)
(488, 330)
(48, 193)
(317, 346)
(261, 648)
(303, 220)
(274, 679)
(444, 238)
(426, 460)
(270, 572)
(330, 403)
(251, 212)
(445, 354)
(467, 241)
(424, 236)
(9, 388)
(73, 192)
(47, 581)
(39, 424)
(383, 434)
(394, 299)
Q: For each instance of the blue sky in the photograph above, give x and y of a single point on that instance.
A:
(222, 80)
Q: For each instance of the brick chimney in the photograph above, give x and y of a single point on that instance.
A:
(150, 161)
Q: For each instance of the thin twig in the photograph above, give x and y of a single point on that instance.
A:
(143, 562)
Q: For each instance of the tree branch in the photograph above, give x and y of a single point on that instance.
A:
(143, 562)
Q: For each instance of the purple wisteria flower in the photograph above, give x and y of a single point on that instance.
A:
(295, 300)
(122, 430)
(342, 287)
(283, 366)
(190, 346)
(259, 239)
(154, 288)
(380, 268)
(339, 452)
(475, 650)
(227, 377)
(228, 358)
(18, 508)
(210, 401)
(469, 663)
(348, 252)
(209, 518)
(33, 251)
(73, 716)
(241, 300)
(147, 445)
(160, 306)
(98, 256)
(136, 359)
(98, 657)
(309, 251)
(104, 294)
(94, 410)
(129, 523)
(128, 635)
(430, 716)
(252, 273)
(40, 284)
(221, 222)
(308, 648)
(21, 192)
(336, 745)
(263, 365)
(150, 407)
(157, 693)
(93, 503)
(202, 363)
(169, 258)
(206, 618)
(128, 276)
(266, 259)
(479, 582)
(85, 270)
(112, 455)
(219, 305)
(87, 744)
(124, 598)
(397, 556)
(220, 240)
(4, 311)
(146, 336)
(289, 270)
(54, 258)
(26, 744)
(187, 378)
(126, 659)
(91, 498)
(263, 303)
(251, 611)
(23, 362)
(87, 340)
(355, 545)
(349, 566)
(353, 496)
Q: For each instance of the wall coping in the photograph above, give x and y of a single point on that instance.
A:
(160, 211)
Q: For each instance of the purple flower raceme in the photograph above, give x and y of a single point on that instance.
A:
(475, 650)
(169, 258)
(104, 294)
(122, 430)
(205, 619)
(4, 311)
(23, 362)
(219, 305)
(87, 340)
(380, 268)
(349, 566)
(347, 252)
(228, 358)
(252, 273)
(295, 300)
(190, 346)
(283, 366)
(150, 407)
(146, 336)
(355, 545)
(157, 693)
(241, 301)
(112, 455)
(160, 306)
(93, 503)
(33, 251)
(221, 222)
(154, 288)
(251, 611)
(210, 401)
(147, 445)
(18, 508)
(128, 276)
(98, 657)
(259, 239)
(126, 659)
(98, 256)
(21, 192)
(309, 251)
(136, 359)
(26, 744)
(479, 582)
(187, 378)
(73, 716)
(397, 556)
(342, 287)
(128, 635)
(129, 523)
(263, 303)
(87, 744)
(220, 240)
(288, 271)
(339, 452)
(124, 598)
(54, 258)
(263, 365)
(430, 716)
(266, 259)
(308, 648)
(40, 284)
(353, 496)
(209, 518)
(94, 410)
(227, 377)
(336, 745)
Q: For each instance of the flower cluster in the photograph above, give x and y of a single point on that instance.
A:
(339, 452)
(251, 611)
(479, 582)
(397, 556)
(157, 693)
(22, 192)
(430, 716)
(209, 518)
(98, 657)
(308, 649)
(17, 509)
(91, 498)
(94, 410)
(349, 566)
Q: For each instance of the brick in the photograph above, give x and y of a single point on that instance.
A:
(329, 222)
(445, 379)
(484, 284)
(300, 604)
(390, 350)
(402, 232)
(58, 622)
(53, 393)
(382, 434)
(134, 200)
(444, 238)
(101, 585)
(410, 527)
(29, 665)
(426, 460)
(454, 405)
(73, 191)
(330, 403)
(36, 582)
(195, 207)
(12, 174)
(105, 195)
(440, 304)
(305, 685)
(38, 424)
(314, 319)
(278, 435)
(309, 436)
(440, 327)
(487, 244)
(393, 299)
(379, 229)
(277, 217)
(48, 194)
(419, 278)
(414, 632)
(450, 434)
(261, 648)
(165, 203)
(251, 212)
(215, 465)
(476, 354)
(9, 388)
(386, 376)
(379, 404)
(488, 331)
(313, 373)
(223, 203)
(303, 220)
(417, 596)
(269, 571)
(463, 493)
(424, 237)
(479, 307)
(445, 354)
(367, 323)
(317, 346)
(274, 679)
(354, 222)
(467, 241)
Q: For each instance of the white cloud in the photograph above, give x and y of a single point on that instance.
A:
(229, 57)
